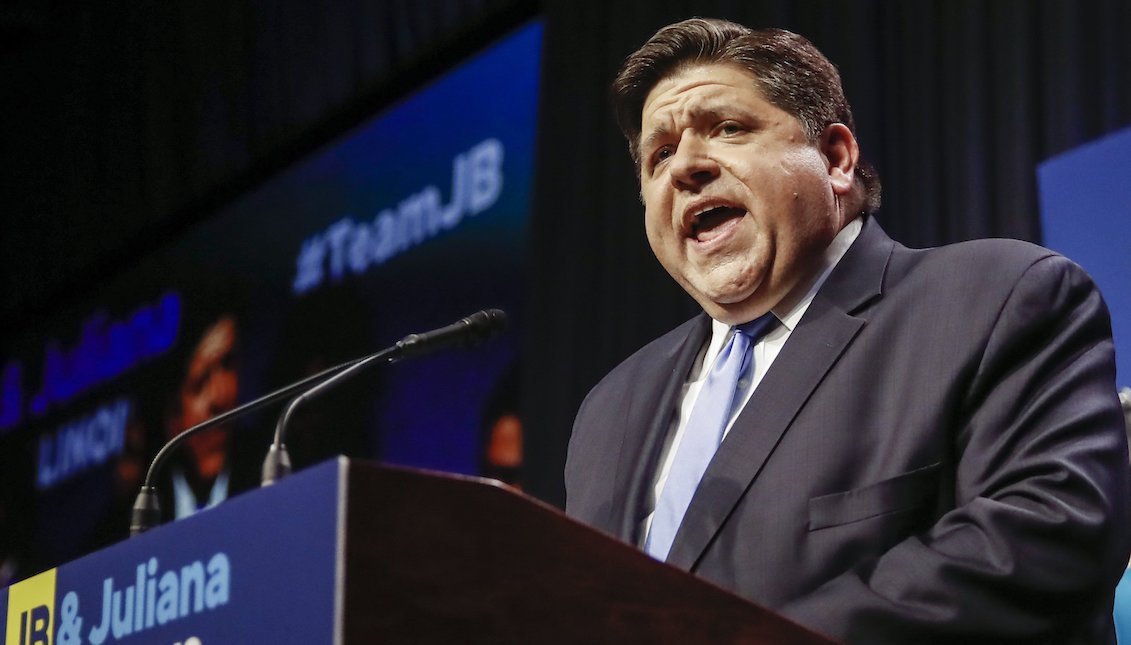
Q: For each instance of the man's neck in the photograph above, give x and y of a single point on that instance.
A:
(794, 304)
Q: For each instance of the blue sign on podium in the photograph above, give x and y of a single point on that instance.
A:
(261, 568)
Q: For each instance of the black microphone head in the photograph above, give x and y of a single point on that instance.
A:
(465, 332)
(485, 324)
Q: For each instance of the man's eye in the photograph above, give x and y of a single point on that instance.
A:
(662, 154)
(730, 129)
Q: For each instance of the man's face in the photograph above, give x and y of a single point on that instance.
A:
(211, 386)
(739, 205)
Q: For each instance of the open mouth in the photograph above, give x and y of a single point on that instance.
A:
(706, 223)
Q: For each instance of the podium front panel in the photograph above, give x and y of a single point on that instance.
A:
(260, 568)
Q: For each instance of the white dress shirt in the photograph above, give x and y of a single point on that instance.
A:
(764, 353)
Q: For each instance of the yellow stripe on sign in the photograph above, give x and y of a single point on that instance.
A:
(31, 605)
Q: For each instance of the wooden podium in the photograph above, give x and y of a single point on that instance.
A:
(351, 552)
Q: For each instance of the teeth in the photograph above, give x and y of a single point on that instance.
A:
(706, 209)
(696, 219)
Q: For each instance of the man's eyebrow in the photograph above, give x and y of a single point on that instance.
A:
(697, 115)
(657, 133)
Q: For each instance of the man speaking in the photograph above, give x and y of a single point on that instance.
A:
(884, 444)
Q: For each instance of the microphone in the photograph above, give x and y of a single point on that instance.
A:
(472, 330)
(465, 332)
(146, 512)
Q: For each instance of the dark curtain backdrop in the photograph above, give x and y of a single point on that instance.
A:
(125, 123)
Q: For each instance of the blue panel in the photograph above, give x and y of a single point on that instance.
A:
(1086, 215)
(277, 545)
(3, 614)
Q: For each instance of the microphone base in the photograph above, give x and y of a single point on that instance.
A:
(276, 465)
(146, 513)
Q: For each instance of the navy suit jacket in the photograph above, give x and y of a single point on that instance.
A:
(936, 455)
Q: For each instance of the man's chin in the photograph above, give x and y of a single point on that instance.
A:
(732, 305)
(734, 313)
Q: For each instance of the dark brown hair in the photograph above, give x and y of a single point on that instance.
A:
(789, 71)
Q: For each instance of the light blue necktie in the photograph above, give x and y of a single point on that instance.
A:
(704, 433)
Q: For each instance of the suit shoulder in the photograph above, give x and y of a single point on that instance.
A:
(995, 252)
(991, 261)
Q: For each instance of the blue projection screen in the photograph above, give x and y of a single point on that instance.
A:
(1086, 215)
(408, 222)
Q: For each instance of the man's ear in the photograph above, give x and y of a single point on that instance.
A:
(841, 153)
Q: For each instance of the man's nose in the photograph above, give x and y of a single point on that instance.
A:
(692, 167)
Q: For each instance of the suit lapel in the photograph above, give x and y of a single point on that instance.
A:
(825, 331)
(647, 421)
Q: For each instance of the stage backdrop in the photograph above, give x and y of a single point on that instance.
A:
(408, 222)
